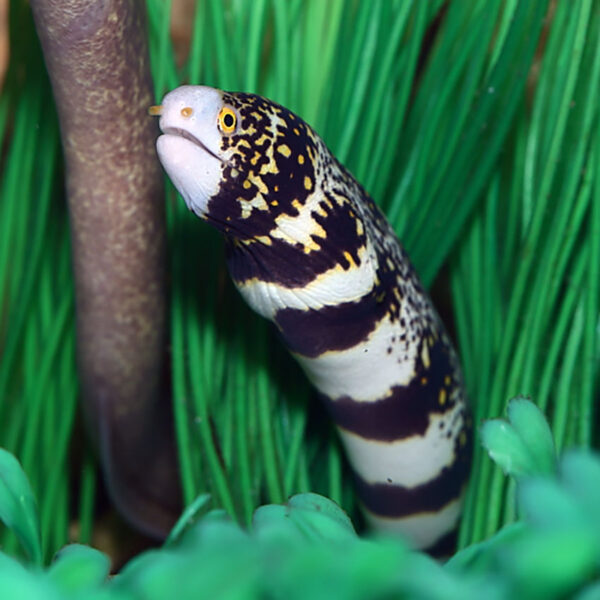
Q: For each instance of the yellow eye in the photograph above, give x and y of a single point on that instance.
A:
(227, 120)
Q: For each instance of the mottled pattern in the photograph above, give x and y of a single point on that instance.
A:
(309, 250)
(97, 59)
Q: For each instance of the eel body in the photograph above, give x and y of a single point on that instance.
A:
(97, 58)
(309, 250)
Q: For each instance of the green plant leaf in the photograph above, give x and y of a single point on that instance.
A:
(305, 517)
(524, 446)
(531, 425)
(480, 556)
(506, 448)
(18, 582)
(77, 568)
(549, 505)
(592, 592)
(18, 509)
(580, 474)
(188, 516)
(323, 510)
(551, 565)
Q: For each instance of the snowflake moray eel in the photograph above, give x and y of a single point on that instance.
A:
(308, 249)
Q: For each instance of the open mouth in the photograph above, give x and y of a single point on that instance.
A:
(192, 138)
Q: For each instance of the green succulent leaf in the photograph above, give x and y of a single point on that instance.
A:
(18, 582)
(523, 446)
(305, 517)
(552, 564)
(580, 474)
(531, 425)
(506, 448)
(591, 592)
(78, 568)
(548, 505)
(480, 556)
(322, 514)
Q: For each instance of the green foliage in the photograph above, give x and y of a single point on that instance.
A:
(524, 445)
(555, 549)
(38, 383)
(481, 143)
(76, 569)
(17, 506)
(525, 277)
(307, 548)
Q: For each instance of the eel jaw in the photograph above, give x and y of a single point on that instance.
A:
(178, 131)
(194, 169)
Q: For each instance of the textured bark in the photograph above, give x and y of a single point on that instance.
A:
(97, 58)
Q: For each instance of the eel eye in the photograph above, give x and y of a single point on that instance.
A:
(187, 112)
(227, 120)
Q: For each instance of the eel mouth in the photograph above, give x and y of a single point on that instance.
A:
(177, 131)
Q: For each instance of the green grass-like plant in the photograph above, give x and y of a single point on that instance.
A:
(474, 125)
(308, 548)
